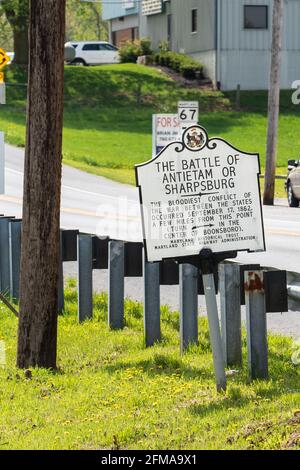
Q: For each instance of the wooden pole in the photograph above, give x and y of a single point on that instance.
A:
(40, 252)
(273, 103)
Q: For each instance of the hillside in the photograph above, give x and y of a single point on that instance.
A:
(108, 109)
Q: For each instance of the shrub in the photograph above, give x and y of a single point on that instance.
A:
(130, 51)
(181, 63)
(163, 46)
(190, 71)
(145, 45)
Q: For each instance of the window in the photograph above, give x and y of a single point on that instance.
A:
(91, 47)
(107, 47)
(255, 17)
(194, 20)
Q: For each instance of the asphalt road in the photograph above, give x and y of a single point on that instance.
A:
(96, 205)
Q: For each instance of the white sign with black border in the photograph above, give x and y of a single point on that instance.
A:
(188, 113)
(200, 193)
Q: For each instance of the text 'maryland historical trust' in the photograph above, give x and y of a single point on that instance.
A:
(200, 193)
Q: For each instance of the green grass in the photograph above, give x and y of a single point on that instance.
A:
(110, 392)
(107, 131)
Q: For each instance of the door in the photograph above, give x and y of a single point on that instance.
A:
(108, 54)
(90, 53)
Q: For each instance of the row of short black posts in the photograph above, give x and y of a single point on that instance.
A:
(227, 347)
(262, 292)
(118, 269)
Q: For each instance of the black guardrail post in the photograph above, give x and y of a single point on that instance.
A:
(85, 276)
(256, 323)
(116, 285)
(61, 296)
(230, 299)
(15, 228)
(188, 277)
(4, 255)
(275, 283)
(151, 303)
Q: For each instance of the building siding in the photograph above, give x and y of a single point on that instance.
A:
(128, 22)
(199, 45)
(245, 54)
(204, 39)
(116, 10)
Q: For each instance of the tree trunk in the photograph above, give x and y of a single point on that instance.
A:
(37, 335)
(273, 104)
(17, 13)
(97, 20)
(20, 46)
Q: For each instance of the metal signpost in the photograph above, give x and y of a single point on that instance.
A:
(2, 163)
(200, 204)
(2, 89)
(4, 60)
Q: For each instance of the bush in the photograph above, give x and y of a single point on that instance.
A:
(190, 71)
(130, 51)
(163, 46)
(145, 45)
(181, 63)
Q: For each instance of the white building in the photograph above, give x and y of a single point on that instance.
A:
(232, 38)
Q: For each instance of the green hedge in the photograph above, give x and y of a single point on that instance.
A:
(181, 63)
(130, 51)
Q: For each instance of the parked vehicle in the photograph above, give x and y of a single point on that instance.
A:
(292, 184)
(94, 53)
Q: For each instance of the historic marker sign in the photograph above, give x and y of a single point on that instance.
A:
(200, 193)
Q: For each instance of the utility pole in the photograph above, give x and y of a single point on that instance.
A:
(273, 103)
(37, 335)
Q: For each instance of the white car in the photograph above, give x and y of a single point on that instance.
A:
(94, 53)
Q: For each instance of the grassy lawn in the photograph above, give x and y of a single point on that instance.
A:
(107, 127)
(110, 392)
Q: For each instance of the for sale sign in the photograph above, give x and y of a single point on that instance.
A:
(200, 193)
(165, 129)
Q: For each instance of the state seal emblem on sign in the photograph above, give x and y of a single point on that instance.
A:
(194, 138)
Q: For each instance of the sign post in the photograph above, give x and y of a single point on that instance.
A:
(4, 60)
(2, 163)
(200, 204)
